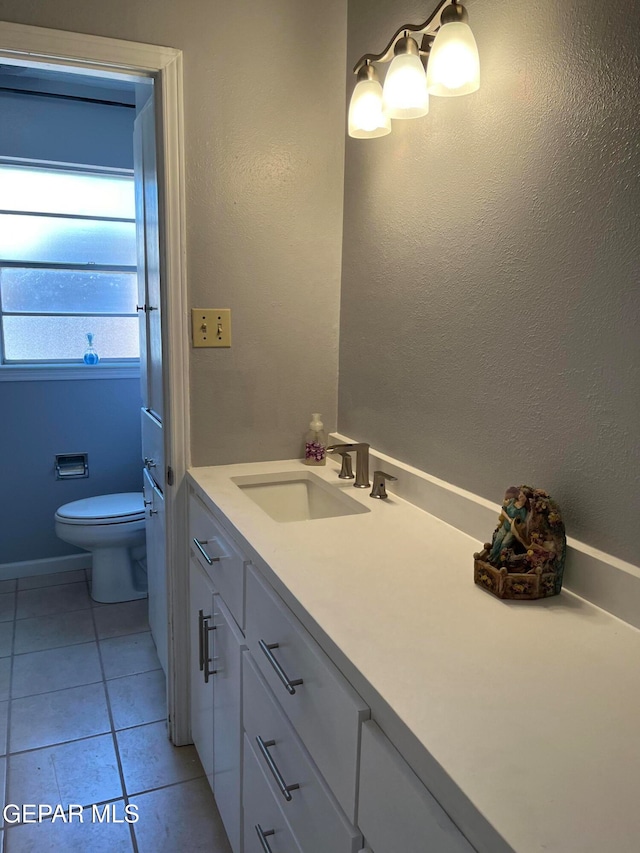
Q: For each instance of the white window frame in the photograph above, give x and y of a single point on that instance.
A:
(125, 369)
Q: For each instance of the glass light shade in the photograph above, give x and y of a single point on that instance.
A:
(405, 92)
(453, 67)
(367, 118)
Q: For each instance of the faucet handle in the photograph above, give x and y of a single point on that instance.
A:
(379, 489)
(346, 469)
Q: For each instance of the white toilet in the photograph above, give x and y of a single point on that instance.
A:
(112, 527)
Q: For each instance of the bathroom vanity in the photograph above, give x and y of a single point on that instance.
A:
(353, 689)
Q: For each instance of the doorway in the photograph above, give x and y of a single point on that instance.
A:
(106, 59)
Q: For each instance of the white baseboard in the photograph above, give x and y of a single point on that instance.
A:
(602, 579)
(49, 565)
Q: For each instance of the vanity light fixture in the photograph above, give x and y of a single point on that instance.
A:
(367, 119)
(452, 68)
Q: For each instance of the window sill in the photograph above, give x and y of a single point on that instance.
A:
(39, 372)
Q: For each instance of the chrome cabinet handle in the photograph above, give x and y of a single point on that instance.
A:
(282, 675)
(262, 836)
(150, 462)
(285, 789)
(150, 503)
(200, 640)
(206, 657)
(199, 544)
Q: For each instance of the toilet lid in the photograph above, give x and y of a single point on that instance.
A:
(104, 509)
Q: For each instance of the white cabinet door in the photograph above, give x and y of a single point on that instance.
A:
(396, 812)
(200, 622)
(156, 567)
(227, 644)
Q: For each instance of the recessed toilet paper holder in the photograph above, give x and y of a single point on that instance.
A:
(71, 466)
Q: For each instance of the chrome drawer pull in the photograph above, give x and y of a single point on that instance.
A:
(206, 656)
(277, 775)
(199, 544)
(262, 835)
(290, 685)
(200, 641)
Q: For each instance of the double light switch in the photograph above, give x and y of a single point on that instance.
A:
(211, 327)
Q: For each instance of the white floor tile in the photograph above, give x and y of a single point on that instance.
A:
(7, 606)
(60, 746)
(3, 786)
(66, 715)
(138, 699)
(71, 837)
(128, 655)
(49, 632)
(55, 669)
(180, 818)
(4, 718)
(6, 638)
(82, 772)
(149, 759)
(115, 620)
(55, 599)
(5, 678)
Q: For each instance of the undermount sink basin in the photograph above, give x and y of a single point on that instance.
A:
(297, 496)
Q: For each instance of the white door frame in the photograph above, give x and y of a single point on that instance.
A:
(36, 46)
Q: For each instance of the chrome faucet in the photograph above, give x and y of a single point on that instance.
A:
(362, 461)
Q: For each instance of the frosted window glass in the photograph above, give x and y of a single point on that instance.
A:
(65, 338)
(57, 191)
(52, 240)
(43, 291)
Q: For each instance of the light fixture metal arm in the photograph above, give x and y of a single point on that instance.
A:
(429, 27)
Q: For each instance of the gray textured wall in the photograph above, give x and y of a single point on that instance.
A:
(264, 109)
(490, 305)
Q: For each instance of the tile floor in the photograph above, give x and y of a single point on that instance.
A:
(82, 708)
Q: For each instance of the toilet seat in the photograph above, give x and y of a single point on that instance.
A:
(103, 509)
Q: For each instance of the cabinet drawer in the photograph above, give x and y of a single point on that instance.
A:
(218, 556)
(311, 810)
(261, 811)
(324, 709)
(396, 812)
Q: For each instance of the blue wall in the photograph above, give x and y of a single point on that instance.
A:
(66, 131)
(41, 418)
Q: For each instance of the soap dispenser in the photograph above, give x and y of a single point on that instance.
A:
(315, 444)
(90, 354)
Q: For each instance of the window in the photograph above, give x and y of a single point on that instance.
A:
(67, 265)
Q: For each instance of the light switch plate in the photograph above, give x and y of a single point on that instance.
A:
(211, 327)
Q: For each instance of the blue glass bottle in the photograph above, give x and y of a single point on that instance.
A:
(90, 356)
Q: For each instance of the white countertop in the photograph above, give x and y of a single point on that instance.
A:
(531, 708)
